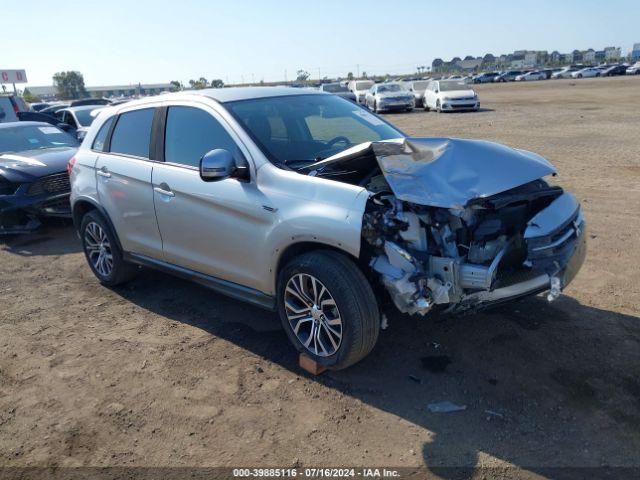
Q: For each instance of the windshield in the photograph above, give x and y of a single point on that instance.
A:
(392, 87)
(334, 88)
(364, 85)
(84, 117)
(308, 128)
(31, 137)
(451, 86)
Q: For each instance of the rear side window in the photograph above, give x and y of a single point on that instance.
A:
(101, 137)
(190, 133)
(132, 134)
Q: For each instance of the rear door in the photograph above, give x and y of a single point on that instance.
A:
(124, 182)
(208, 227)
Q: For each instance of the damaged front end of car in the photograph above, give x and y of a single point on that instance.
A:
(31, 190)
(461, 224)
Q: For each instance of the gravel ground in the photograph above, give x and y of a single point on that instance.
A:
(165, 373)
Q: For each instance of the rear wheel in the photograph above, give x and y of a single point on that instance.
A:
(438, 107)
(102, 251)
(328, 308)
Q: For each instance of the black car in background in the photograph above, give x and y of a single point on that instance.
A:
(34, 182)
(508, 76)
(614, 70)
(486, 77)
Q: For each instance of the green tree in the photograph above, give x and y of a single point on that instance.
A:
(175, 85)
(302, 75)
(69, 85)
(199, 84)
(217, 83)
(350, 76)
(29, 97)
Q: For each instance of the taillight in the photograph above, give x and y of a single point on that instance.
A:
(70, 165)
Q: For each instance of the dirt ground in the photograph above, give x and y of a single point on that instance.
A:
(166, 373)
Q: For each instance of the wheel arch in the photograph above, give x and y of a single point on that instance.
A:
(299, 248)
(84, 205)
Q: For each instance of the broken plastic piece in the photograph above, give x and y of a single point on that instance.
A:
(445, 407)
(554, 292)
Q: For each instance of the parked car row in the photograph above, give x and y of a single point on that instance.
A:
(449, 94)
(570, 71)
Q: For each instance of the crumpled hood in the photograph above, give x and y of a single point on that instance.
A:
(31, 164)
(447, 172)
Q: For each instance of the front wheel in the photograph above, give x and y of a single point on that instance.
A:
(328, 309)
(438, 107)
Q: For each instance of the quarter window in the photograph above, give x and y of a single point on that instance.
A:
(132, 134)
(190, 133)
(101, 137)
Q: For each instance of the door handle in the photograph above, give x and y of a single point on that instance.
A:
(164, 190)
(103, 172)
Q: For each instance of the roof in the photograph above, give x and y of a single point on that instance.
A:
(233, 94)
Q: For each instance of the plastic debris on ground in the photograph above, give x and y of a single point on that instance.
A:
(445, 407)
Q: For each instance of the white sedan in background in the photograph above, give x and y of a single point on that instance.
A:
(525, 77)
(449, 96)
(587, 72)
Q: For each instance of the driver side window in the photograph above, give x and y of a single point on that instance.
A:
(190, 133)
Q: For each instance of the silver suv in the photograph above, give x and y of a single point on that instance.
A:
(302, 202)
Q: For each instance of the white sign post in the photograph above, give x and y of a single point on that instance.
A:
(13, 76)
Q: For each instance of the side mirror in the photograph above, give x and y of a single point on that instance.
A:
(64, 126)
(216, 165)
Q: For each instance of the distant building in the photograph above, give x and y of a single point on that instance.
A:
(589, 56)
(555, 57)
(488, 59)
(530, 59)
(469, 64)
(144, 89)
(635, 52)
(612, 53)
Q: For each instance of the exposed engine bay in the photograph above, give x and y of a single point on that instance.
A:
(466, 241)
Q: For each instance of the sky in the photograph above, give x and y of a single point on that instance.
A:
(113, 42)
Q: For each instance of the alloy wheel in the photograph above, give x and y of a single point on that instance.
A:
(313, 315)
(98, 249)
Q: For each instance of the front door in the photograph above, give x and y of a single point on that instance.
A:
(216, 227)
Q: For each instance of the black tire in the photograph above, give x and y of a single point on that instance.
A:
(121, 271)
(354, 299)
(375, 106)
(438, 107)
